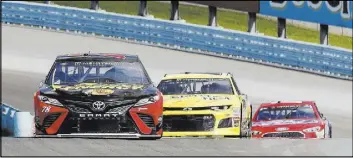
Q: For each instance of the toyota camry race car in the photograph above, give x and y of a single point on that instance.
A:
(204, 104)
(290, 120)
(98, 95)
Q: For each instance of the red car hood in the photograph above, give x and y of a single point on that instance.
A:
(285, 125)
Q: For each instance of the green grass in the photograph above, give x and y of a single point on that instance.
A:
(226, 19)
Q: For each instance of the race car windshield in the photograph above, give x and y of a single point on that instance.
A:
(286, 112)
(73, 72)
(195, 86)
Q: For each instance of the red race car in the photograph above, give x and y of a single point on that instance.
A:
(290, 120)
(98, 95)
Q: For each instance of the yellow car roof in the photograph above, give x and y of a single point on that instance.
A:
(196, 75)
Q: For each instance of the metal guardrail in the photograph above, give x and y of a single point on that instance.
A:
(323, 60)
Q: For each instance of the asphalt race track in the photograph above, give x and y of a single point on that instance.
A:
(28, 53)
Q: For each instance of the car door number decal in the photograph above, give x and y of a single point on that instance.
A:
(46, 109)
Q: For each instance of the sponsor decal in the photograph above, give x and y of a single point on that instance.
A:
(292, 106)
(215, 98)
(106, 63)
(103, 87)
(116, 56)
(7, 110)
(100, 91)
(281, 129)
(204, 97)
(183, 96)
(142, 109)
(288, 107)
(99, 115)
(338, 13)
(341, 7)
(284, 122)
(199, 79)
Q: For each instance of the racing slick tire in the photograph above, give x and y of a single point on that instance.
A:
(245, 131)
(249, 124)
(330, 132)
(150, 138)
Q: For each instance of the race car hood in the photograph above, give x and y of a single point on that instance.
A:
(199, 100)
(94, 89)
(285, 125)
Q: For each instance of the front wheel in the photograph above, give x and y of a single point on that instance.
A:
(246, 128)
(328, 134)
(150, 138)
(232, 136)
(246, 132)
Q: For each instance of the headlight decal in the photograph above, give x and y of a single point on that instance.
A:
(225, 123)
(236, 112)
(149, 100)
(48, 100)
(220, 107)
(312, 129)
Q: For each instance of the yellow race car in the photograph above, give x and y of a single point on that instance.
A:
(204, 104)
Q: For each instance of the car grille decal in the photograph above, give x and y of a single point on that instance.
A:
(147, 119)
(285, 135)
(184, 123)
(50, 119)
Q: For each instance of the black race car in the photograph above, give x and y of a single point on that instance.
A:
(98, 95)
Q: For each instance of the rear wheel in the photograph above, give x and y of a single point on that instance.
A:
(328, 134)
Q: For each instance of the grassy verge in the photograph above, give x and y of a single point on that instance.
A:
(227, 19)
